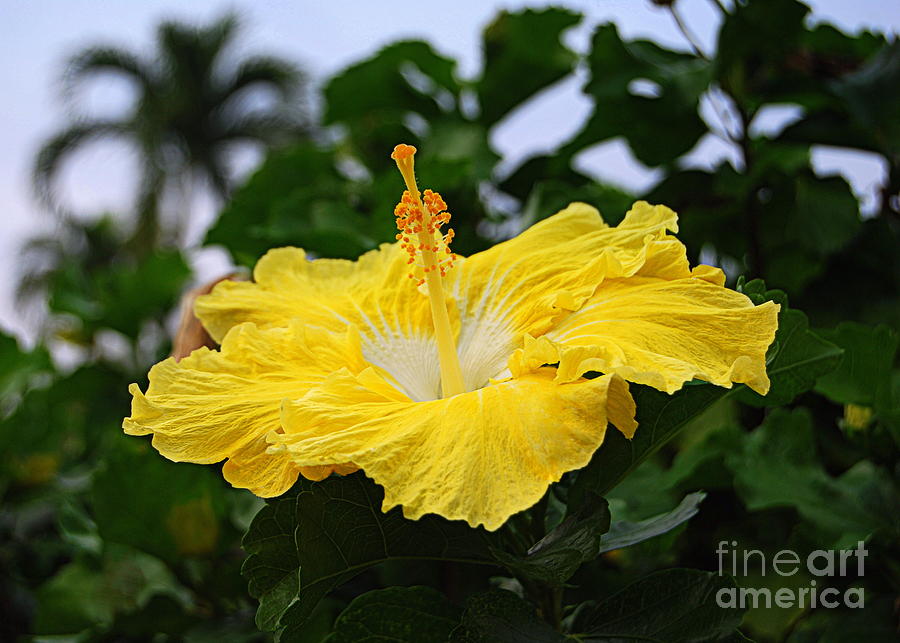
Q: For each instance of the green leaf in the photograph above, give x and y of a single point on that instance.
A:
(401, 614)
(499, 616)
(863, 376)
(659, 416)
(744, 68)
(801, 357)
(84, 595)
(559, 554)
(319, 535)
(660, 121)
(78, 528)
(666, 607)
(820, 55)
(63, 427)
(522, 55)
(701, 464)
(382, 85)
(121, 297)
(798, 356)
(72, 600)
(373, 99)
(167, 509)
(827, 213)
(778, 467)
(785, 215)
(861, 108)
(299, 198)
(556, 169)
(624, 534)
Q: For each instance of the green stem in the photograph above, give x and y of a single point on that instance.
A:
(552, 607)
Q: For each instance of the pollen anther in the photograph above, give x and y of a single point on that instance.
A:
(411, 221)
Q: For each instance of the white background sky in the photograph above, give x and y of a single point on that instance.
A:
(37, 37)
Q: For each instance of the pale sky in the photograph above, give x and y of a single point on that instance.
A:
(37, 36)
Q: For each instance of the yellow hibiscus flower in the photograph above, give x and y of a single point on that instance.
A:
(456, 383)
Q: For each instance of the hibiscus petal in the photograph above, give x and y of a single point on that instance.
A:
(662, 333)
(521, 286)
(373, 294)
(266, 474)
(479, 456)
(214, 405)
(287, 284)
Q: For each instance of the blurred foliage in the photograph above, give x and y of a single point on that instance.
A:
(103, 540)
(193, 101)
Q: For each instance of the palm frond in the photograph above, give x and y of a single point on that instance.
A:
(264, 71)
(107, 60)
(191, 53)
(52, 154)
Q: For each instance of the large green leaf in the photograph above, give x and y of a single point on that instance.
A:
(319, 535)
(742, 66)
(499, 616)
(660, 118)
(865, 276)
(827, 213)
(665, 607)
(399, 614)
(803, 65)
(861, 112)
(383, 84)
(553, 168)
(778, 467)
(374, 98)
(797, 357)
(522, 55)
(863, 376)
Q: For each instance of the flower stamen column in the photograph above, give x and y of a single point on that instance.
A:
(414, 218)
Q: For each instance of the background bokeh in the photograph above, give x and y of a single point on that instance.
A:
(152, 147)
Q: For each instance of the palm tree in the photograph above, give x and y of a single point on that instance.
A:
(193, 103)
